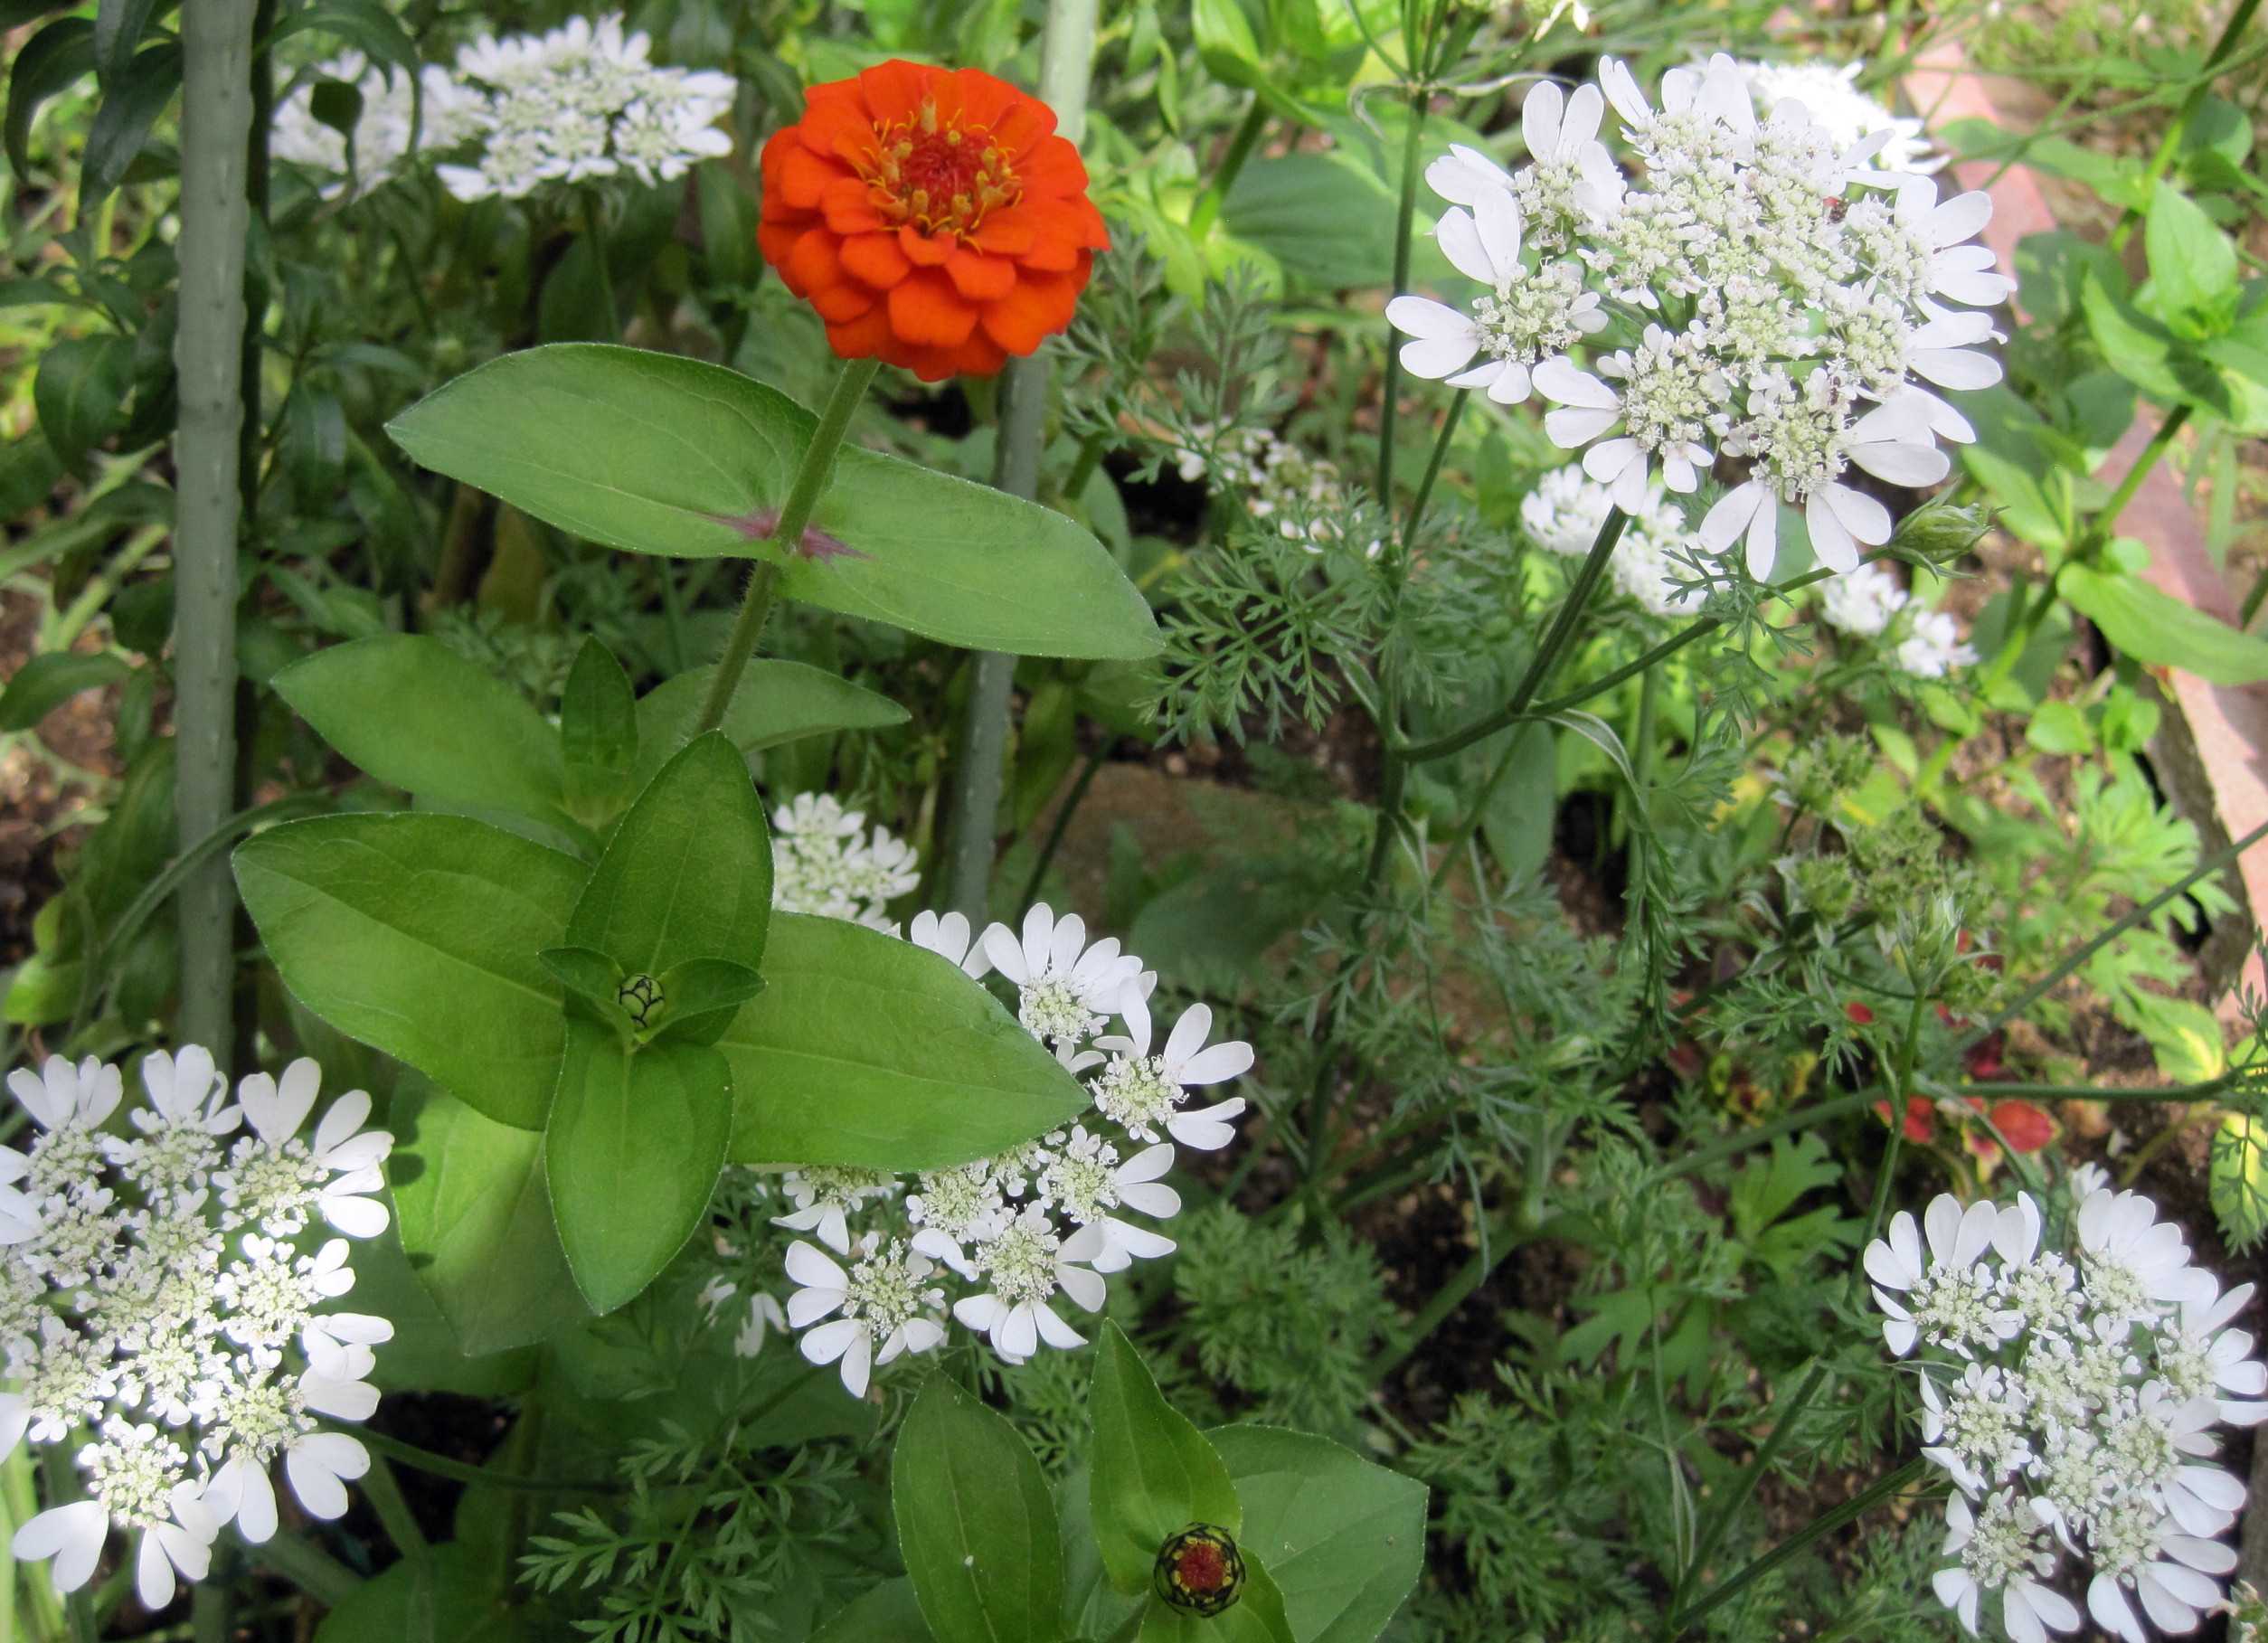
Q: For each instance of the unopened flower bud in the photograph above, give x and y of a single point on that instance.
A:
(641, 995)
(1941, 531)
(1200, 1569)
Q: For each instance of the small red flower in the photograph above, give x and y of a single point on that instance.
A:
(1921, 1117)
(932, 216)
(1860, 1016)
(2027, 1127)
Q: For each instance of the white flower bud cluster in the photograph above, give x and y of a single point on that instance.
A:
(1750, 290)
(166, 1316)
(823, 862)
(397, 116)
(2069, 1390)
(1011, 1232)
(1304, 494)
(1866, 603)
(1832, 97)
(1652, 557)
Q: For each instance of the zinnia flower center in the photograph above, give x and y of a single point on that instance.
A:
(938, 178)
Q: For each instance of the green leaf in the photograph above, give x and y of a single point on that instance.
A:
(2060, 728)
(975, 1523)
(2161, 630)
(49, 62)
(1153, 1472)
(416, 715)
(119, 25)
(688, 873)
(418, 935)
(865, 1050)
(662, 455)
(1345, 1539)
(589, 974)
(2192, 265)
(1257, 1614)
(2014, 459)
(476, 1222)
(80, 394)
(131, 105)
(777, 702)
(46, 681)
(632, 1149)
(1521, 808)
(447, 1595)
(2138, 346)
(2239, 1179)
(1326, 217)
(365, 25)
(704, 994)
(1227, 43)
(889, 1610)
(598, 735)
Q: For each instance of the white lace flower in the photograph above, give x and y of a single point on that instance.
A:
(826, 1194)
(1524, 315)
(1025, 1266)
(273, 1178)
(823, 863)
(1919, 248)
(1977, 1429)
(2169, 1573)
(2003, 1549)
(964, 1205)
(1934, 646)
(1950, 1300)
(1831, 97)
(2134, 1265)
(2198, 1356)
(886, 1305)
(177, 1143)
(261, 1416)
(1564, 511)
(950, 938)
(136, 1477)
(1085, 1180)
(1142, 1093)
(1861, 602)
(1664, 399)
(1067, 989)
(433, 113)
(69, 1105)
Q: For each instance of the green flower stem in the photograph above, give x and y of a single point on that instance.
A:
(1886, 1488)
(1784, 1427)
(1240, 150)
(2233, 31)
(1411, 150)
(1088, 771)
(384, 1491)
(479, 1476)
(594, 223)
(209, 352)
(308, 1567)
(1433, 473)
(1066, 60)
(803, 497)
(210, 1617)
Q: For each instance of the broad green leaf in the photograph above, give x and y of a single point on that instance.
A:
(418, 935)
(2120, 181)
(976, 1525)
(416, 715)
(869, 1050)
(1517, 818)
(598, 735)
(1257, 1614)
(2192, 264)
(632, 1149)
(687, 874)
(119, 25)
(46, 681)
(1154, 1474)
(1344, 1539)
(888, 1610)
(80, 394)
(130, 108)
(2137, 345)
(2015, 460)
(476, 1220)
(447, 1595)
(2157, 628)
(1226, 43)
(1325, 217)
(777, 702)
(662, 455)
(2060, 728)
(46, 63)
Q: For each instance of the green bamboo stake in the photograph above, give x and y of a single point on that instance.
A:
(1066, 58)
(215, 119)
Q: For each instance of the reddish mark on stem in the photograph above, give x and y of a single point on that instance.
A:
(817, 544)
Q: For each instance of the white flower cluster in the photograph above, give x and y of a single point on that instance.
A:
(163, 1316)
(823, 863)
(582, 102)
(2069, 1394)
(1564, 511)
(432, 112)
(1305, 495)
(1754, 291)
(1865, 602)
(1011, 1232)
(1833, 98)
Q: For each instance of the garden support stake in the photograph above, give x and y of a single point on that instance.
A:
(217, 118)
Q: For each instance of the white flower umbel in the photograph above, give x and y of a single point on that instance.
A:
(1084, 1180)
(1652, 558)
(1862, 601)
(1764, 294)
(1934, 648)
(1066, 988)
(579, 103)
(164, 1305)
(1142, 1093)
(823, 862)
(2081, 1421)
(1024, 1268)
(397, 116)
(1834, 102)
(825, 1195)
(884, 1306)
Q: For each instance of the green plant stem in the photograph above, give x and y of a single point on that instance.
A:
(1061, 824)
(208, 354)
(1240, 150)
(480, 1476)
(1896, 1483)
(803, 497)
(62, 1486)
(1501, 1237)
(2106, 520)
(1413, 149)
(594, 225)
(210, 1617)
(1066, 60)
(384, 1491)
(1433, 473)
(1090, 458)
(308, 1567)
(2170, 145)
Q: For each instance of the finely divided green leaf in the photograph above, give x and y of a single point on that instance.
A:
(418, 935)
(975, 1523)
(869, 1050)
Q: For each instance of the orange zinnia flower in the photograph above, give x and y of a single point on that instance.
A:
(932, 216)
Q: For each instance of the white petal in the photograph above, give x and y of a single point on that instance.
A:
(1540, 119)
(812, 1269)
(1437, 356)
(1560, 381)
(1053, 1330)
(1961, 368)
(357, 1217)
(1511, 386)
(1497, 217)
(71, 1534)
(153, 1571)
(857, 1364)
(829, 1342)
(1962, 217)
(1017, 1333)
(1869, 521)
(1908, 465)
(1152, 1198)
(1459, 239)
(1214, 1065)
